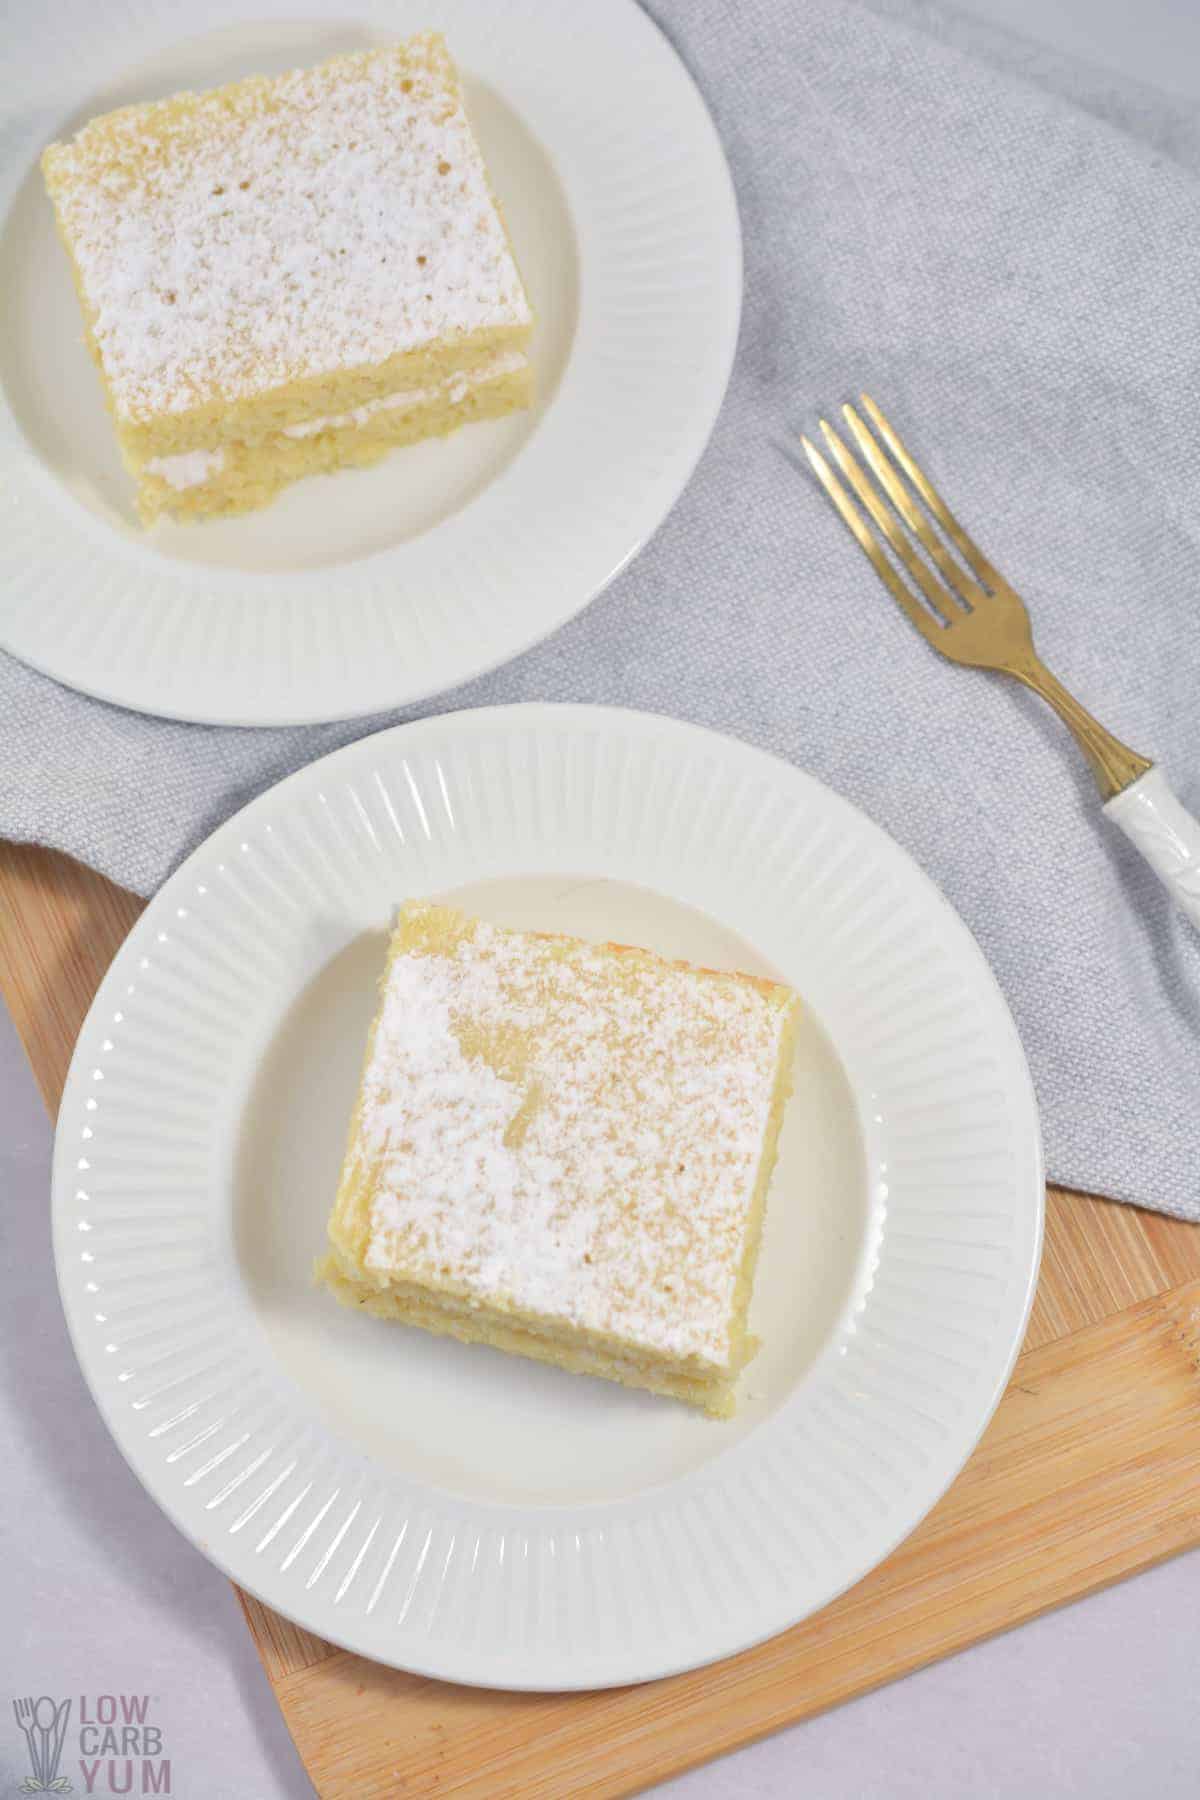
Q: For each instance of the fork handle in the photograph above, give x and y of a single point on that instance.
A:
(1113, 763)
(1166, 834)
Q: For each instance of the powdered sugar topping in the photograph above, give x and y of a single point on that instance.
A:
(576, 1146)
(281, 229)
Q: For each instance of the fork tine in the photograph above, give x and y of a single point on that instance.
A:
(916, 614)
(937, 594)
(966, 547)
(965, 587)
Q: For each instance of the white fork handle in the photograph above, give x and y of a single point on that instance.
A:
(1166, 834)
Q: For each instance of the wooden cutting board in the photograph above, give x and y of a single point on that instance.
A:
(1089, 1471)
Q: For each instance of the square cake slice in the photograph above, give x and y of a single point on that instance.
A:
(562, 1149)
(290, 273)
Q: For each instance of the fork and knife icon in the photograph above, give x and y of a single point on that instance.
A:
(45, 1727)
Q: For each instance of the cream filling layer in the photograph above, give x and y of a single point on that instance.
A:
(192, 468)
(187, 469)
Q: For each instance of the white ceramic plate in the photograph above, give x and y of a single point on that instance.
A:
(444, 1507)
(371, 589)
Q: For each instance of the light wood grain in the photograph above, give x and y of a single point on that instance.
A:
(1088, 1472)
(60, 927)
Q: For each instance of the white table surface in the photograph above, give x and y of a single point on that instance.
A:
(99, 1594)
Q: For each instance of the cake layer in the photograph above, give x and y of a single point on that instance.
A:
(200, 483)
(563, 1149)
(285, 248)
(713, 1394)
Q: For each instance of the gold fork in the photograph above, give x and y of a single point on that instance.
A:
(963, 607)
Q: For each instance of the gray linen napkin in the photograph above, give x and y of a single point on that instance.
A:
(1005, 248)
